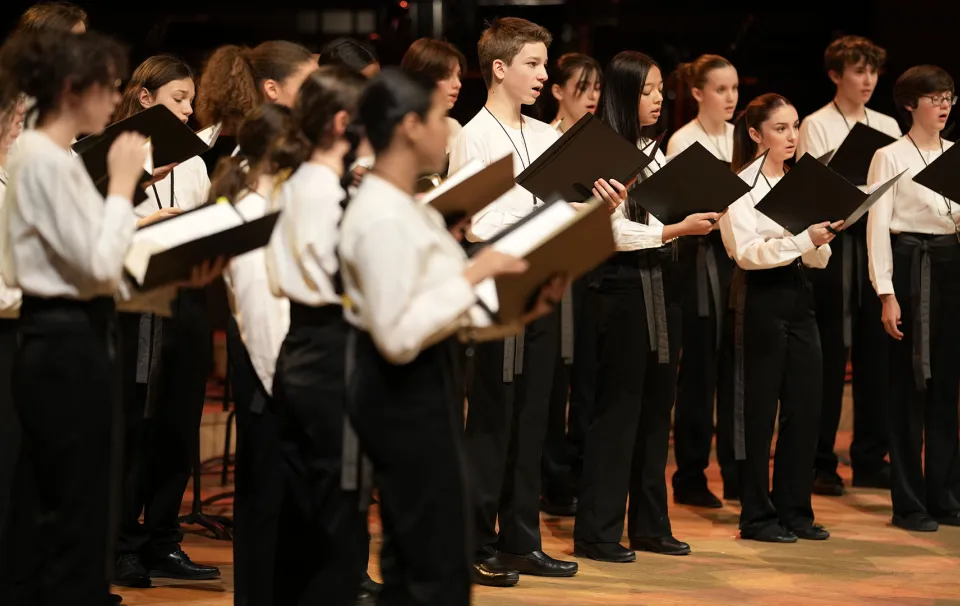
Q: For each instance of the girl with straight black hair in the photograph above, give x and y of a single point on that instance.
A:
(773, 340)
(410, 290)
(627, 438)
(347, 52)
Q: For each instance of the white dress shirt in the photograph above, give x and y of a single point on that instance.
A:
(263, 318)
(191, 188)
(906, 207)
(302, 254)
(9, 297)
(825, 129)
(755, 241)
(455, 129)
(62, 239)
(691, 132)
(484, 138)
(402, 271)
(632, 235)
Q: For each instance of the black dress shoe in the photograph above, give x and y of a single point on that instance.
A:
(828, 484)
(114, 599)
(661, 545)
(369, 590)
(698, 498)
(770, 534)
(178, 565)
(490, 571)
(811, 532)
(566, 508)
(879, 479)
(604, 552)
(129, 571)
(951, 519)
(917, 522)
(537, 563)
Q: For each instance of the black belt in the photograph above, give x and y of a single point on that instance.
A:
(708, 284)
(306, 315)
(923, 249)
(738, 302)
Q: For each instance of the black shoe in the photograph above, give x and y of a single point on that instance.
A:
(604, 552)
(129, 571)
(490, 571)
(917, 522)
(369, 590)
(770, 534)
(951, 519)
(698, 498)
(566, 508)
(178, 565)
(879, 479)
(827, 484)
(811, 532)
(537, 563)
(661, 545)
(114, 599)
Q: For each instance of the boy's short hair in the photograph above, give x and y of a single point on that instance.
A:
(54, 16)
(851, 50)
(503, 40)
(917, 82)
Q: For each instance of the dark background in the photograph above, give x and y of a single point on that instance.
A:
(776, 48)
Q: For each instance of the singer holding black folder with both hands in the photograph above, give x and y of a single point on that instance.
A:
(914, 252)
(774, 337)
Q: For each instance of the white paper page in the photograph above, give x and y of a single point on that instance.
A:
(469, 169)
(148, 163)
(751, 172)
(209, 134)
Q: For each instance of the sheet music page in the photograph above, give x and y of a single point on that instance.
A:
(469, 169)
(209, 134)
(751, 172)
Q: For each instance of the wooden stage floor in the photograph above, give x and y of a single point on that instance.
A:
(867, 561)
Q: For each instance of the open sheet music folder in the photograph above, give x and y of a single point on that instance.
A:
(471, 189)
(812, 193)
(694, 182)
(852, 159)
(172, 140)
(588, 151)
(943, 174)
(554, 239)
(168, 250)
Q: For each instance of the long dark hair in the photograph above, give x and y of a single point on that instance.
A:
(391, 95)
(346, 52)
(623, 83)
(231, 83)
(152, 74)
(560, 73)
(753, 116)
(327, 91)
(270, 143)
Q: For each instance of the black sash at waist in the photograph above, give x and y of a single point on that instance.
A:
(306, 315)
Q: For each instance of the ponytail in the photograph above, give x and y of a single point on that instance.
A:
(753, 116)
(694, 74)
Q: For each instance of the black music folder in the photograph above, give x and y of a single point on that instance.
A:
(694, 182)
(852, 159)
(554, 239)
(168, 250)
(943, 174)
(471, 189)
(588, 151)
(812, 193)
(172, 140)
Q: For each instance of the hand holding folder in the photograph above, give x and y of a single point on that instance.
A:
(812, 194)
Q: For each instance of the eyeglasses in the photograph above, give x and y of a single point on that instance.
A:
(939, 99)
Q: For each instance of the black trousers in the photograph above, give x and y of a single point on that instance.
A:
(10, 432)
(781, 363)
(505, 430)
(925, 466)
(160, 450)
(571, 402)
(66, 391)
(870, 352)
(627, 441)
(259, 487)
(407, 421)
(698, 377)
(322, 548)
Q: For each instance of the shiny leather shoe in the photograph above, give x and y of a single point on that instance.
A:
(537, 563)
(770, 534)
(698, 498)
(178, 565)
(661, 545)
(113, 599)
(491, 572)
(604, 552)
(811, 532)
(828, 484)
(917, 522)
(369, 590)
(951, 519)
(129, 571)
(564, 508)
